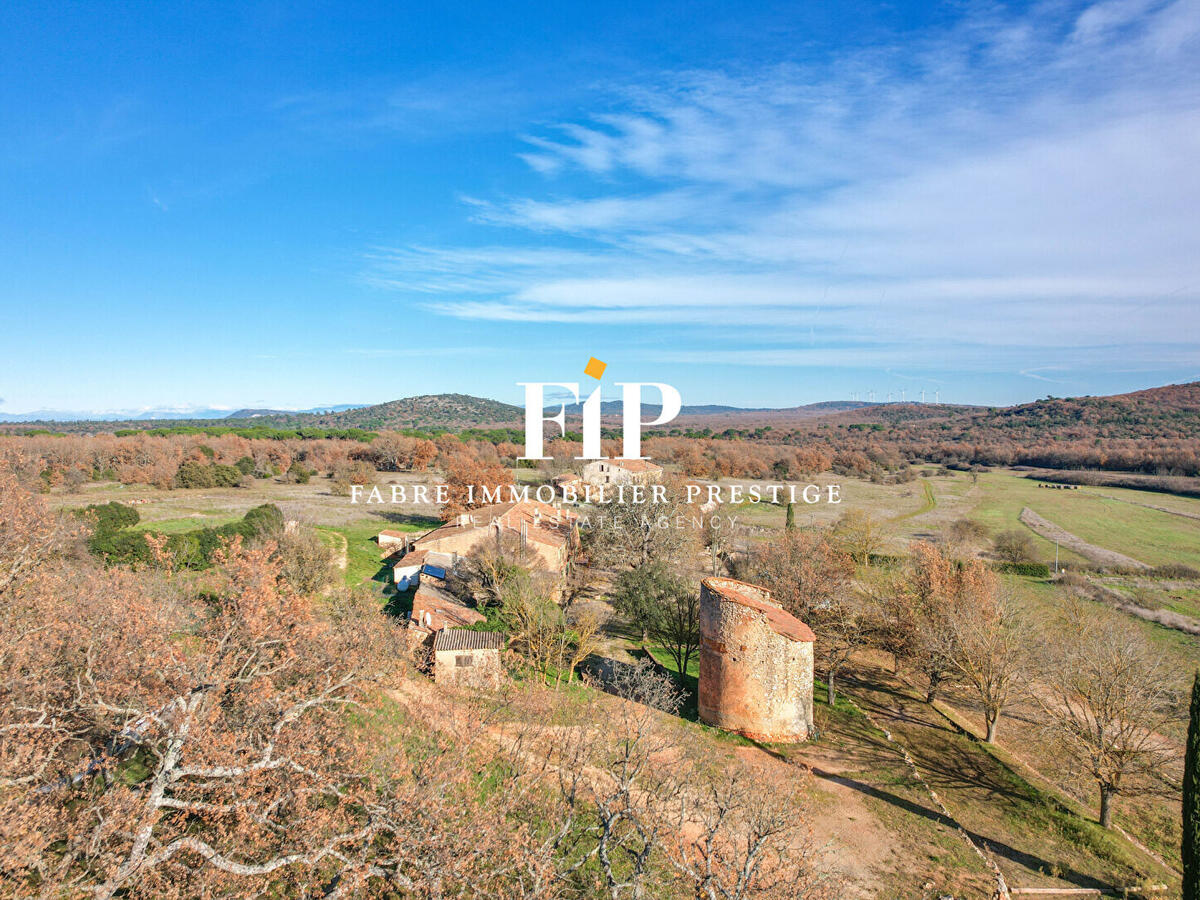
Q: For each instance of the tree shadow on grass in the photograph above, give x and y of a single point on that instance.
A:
(414, 521)
(1030, 861)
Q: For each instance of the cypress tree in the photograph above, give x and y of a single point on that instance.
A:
(1190, 850)
(790, 522)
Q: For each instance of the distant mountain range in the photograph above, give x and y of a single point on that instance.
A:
(160, 414)
(1173, 410)
(428, 410)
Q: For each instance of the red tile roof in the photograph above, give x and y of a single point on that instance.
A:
(636, 465)
(553, 525)
(759, 599)
(412, 558)
(442, 608)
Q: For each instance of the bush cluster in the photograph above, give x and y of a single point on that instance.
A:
(190, 549)
(112, 516)
(192, 474)
(1033, 569)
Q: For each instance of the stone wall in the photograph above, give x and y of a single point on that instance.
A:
(478, 669)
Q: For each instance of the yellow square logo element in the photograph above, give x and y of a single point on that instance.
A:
(595, 368)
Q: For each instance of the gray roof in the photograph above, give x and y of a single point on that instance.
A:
(465, 639)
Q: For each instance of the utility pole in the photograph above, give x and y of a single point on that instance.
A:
(1056, 557)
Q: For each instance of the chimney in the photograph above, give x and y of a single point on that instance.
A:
(537, 516)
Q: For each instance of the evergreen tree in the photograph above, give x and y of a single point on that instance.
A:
(1190, 850)
(790, 522)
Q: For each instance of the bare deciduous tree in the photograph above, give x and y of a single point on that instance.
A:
(803, 570)
(843, 625)
(484, 576)
(632, 534)
(1107, 697)
(859, 534)
(986, 637)
(634, 801)
(735, 837)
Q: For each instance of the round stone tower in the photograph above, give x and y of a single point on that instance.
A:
(756, 663)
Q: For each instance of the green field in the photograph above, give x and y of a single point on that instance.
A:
(362, 553)
(1148, 535)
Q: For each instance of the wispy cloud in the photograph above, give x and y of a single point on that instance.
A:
(1019, 182)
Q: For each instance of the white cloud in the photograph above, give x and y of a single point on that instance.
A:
(1018, 182)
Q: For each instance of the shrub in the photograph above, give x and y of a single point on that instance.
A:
(1175, 570)
(190, 549)
(260, 521)
(298, 473)
(192, 474)
(245, 465)
(111, 516)
(966, 530)
(1032, 569)
(114, 547)
(1015, 547)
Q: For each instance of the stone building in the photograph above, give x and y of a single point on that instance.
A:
(468, 658)
(756, 663)
(604, 473)
(547, 532)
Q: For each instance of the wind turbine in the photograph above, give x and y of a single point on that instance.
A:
(922, 395)
(936, 394)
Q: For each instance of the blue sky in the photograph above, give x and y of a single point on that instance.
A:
(762, 204)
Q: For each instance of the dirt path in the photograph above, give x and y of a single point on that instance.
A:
(343, 554)
(1099, 555)
(864, 848)
(1001, 814)
(928, 506)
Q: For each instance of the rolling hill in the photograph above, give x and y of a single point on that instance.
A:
(1171, 412)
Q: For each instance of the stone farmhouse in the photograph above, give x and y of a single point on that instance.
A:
(425, 562)
(468, 658)
(604, 473)
(756, 663)
(548, 532)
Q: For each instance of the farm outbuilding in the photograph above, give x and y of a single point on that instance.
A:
(468, 658)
